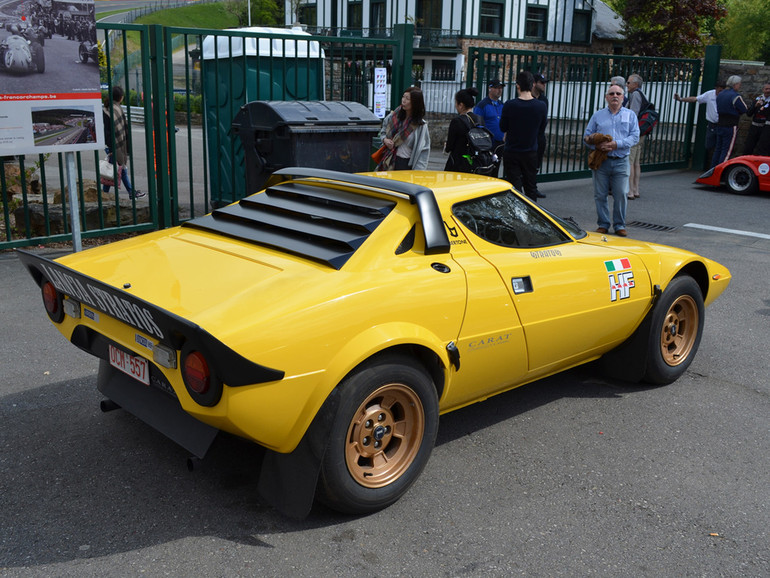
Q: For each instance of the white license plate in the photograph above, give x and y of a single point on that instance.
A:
(136, 367)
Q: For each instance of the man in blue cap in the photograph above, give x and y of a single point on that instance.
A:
(490, 109)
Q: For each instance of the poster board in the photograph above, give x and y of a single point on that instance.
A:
(50, 95)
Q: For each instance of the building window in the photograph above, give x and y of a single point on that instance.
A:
(355, 14)
(443, 70)
(307, 14)
(581, 27)
(537, 18)
(377, 17)
(491, 21)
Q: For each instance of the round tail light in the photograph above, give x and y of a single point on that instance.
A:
(196, 372)
(53, 301)
(200, 376)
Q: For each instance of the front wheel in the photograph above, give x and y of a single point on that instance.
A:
(741, 180)
(381, 437)
(675, 331)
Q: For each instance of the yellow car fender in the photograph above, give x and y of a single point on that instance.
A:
(358, 350)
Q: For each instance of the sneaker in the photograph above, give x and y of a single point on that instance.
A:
(136, 194)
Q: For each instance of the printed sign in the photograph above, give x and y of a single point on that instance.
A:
(50, 95)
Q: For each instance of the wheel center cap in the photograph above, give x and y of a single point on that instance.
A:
(378, 433)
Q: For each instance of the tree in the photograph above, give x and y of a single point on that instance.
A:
(675, 28)
(263, 12)
(743, 33)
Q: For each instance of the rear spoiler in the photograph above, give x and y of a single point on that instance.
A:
(168, 328)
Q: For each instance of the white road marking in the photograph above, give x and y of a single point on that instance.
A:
(729, 231)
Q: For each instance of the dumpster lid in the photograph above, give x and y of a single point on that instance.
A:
(258, 45)
(268, 114)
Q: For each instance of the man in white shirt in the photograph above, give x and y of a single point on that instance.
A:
(709, 98)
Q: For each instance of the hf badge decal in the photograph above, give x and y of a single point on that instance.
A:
(621, 278)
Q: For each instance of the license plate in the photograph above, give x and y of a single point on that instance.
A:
(136, 367)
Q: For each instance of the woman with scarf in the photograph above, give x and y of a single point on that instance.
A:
(457, 137)
(405, 135)
(116, 134)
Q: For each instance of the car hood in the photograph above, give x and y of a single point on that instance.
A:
(664, 262)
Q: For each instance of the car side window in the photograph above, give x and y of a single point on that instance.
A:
(507, 220)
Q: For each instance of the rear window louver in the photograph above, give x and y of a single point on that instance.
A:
(316, 222)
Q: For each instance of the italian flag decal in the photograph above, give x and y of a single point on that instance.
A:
(617, 265)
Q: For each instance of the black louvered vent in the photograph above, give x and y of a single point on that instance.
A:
(315, 222)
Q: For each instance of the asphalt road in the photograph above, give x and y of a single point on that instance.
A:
(575, 475)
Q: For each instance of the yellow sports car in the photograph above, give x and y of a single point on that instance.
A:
(332, 317)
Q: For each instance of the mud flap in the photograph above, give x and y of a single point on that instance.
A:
(157, 409)
(628, 361)
(288, 481)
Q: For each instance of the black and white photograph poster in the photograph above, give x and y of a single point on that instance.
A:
(50, 96)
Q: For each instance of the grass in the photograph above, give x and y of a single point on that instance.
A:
(210, 15)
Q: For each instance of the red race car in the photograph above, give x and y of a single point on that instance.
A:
(742, 175)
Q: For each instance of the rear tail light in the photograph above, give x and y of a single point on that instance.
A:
(196, 373)
(200, 377)
(52, 300)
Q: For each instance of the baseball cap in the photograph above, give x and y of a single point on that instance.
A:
(540, 78)
(495, 83)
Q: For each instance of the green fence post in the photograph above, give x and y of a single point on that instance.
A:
(159, 125)
(710, 76)
(401, 75)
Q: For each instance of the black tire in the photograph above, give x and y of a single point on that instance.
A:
(83, 53)
(675, 331)
(741, 180)
(381, 437)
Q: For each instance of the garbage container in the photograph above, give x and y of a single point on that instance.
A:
(240, 69)
(325, 135)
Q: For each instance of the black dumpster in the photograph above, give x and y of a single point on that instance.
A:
(325, 135)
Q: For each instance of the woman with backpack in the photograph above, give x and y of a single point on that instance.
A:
(457, 145)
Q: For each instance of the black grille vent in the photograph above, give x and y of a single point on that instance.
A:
(313, 221)
(651, 226)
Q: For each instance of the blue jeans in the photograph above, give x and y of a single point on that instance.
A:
(614, 172)
(123, 177)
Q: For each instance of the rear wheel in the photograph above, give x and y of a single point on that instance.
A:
(741, 180)
(675, 331)
(83, 53)
(381, 437)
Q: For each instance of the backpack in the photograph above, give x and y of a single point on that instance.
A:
(648, 117)
(481, 156)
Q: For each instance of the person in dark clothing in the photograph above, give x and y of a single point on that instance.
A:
(522, 120)
(457, 137)
(730, 107)
(759, 111)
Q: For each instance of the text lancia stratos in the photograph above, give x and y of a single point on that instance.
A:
(332, 317)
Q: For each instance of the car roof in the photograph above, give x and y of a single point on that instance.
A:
(448, 188)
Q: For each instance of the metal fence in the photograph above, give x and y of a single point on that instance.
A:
(575, 90)
(185, 86)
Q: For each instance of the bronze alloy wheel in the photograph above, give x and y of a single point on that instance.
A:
(384, 435)
(680, 330)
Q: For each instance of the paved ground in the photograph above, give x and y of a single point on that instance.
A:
(574, 475)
